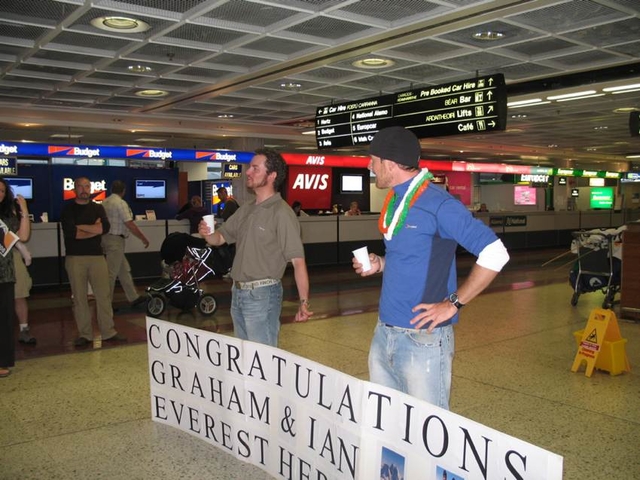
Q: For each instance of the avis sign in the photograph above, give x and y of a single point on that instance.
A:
(311, 186)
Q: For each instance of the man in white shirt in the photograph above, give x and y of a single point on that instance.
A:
(113, 243)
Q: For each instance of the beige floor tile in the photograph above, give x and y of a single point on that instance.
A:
(86, 415)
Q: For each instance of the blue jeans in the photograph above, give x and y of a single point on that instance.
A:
(413, 361)
(256, 313)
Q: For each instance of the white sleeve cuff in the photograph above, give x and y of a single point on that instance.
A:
(494, 256)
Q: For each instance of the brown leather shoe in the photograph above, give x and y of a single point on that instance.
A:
(116, 338)
(138, 301)
(81, 342)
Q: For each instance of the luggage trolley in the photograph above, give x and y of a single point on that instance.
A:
(598, 265)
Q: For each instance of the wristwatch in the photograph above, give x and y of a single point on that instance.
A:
(453, 298)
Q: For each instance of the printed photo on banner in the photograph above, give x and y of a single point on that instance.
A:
(442, 474)
(392, 465)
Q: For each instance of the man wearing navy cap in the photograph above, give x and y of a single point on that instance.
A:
(413, 343)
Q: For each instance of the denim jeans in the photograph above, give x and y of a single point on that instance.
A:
(256, 313)
(413, 361)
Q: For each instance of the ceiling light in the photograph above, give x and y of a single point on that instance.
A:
(528, 105)
(603, 127)
(373, 62)
(225, 115)
(30, 124)
(621, 87)
(488, 36)
(633, 156)
(571, 95)
(120, 24)
(524, 102)
(152, 93)
(151, 140)
(290, 86)
(309, 132)
(65, 135)
(625, 110)
(581, 98)
(626, 91)
(139, 69)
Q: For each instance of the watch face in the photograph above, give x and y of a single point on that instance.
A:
(453, 298)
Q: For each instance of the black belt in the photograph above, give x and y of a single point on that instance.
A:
(116, 235)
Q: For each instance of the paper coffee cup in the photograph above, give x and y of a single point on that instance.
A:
(210, 221)
(362, 256)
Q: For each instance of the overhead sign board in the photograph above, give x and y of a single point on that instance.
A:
(231, 170)
(477, 105)
(634, 124)
(101, 151)
(8, 166)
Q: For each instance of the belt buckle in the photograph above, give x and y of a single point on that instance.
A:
(245, 285)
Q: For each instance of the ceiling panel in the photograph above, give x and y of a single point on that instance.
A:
(270, 64)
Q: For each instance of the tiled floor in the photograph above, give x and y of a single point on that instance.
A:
(84, 413)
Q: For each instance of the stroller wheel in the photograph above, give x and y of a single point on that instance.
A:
(207, 304)
(156, 305)
(574, 299)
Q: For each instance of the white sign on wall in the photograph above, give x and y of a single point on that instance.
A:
(297, 419)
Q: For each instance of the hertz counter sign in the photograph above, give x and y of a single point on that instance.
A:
(475, 106)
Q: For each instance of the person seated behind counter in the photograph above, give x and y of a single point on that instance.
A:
(483, 208)
(297, 209)
(353, 209)
(193, 214)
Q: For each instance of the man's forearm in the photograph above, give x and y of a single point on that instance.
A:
(95, 229)
(301, 277)
(135, 230)
(82, 235)
(216, 239)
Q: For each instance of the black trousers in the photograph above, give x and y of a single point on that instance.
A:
(7, 314)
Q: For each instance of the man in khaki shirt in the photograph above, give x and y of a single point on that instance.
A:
(266, 233)
(113, 243)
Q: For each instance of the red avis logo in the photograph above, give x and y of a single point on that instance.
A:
(315, 160)
(313, 181)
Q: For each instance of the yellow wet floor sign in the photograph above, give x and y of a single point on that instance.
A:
(601, 345)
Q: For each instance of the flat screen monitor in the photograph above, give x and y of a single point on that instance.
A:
(351, 183)
(151, 189)
(21, 186)
(601, 198)
(523, 195)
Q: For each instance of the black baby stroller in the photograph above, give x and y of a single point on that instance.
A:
(599, 264)
(189, 260)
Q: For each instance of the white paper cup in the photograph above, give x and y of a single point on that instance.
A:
(210, 221)
(362, 256)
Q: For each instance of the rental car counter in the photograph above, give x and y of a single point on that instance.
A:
(47, 250)
(550, 229)
(328, 239)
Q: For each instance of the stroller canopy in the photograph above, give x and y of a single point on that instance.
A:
(175, 247)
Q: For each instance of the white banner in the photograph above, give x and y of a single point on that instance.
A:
(297, 419)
